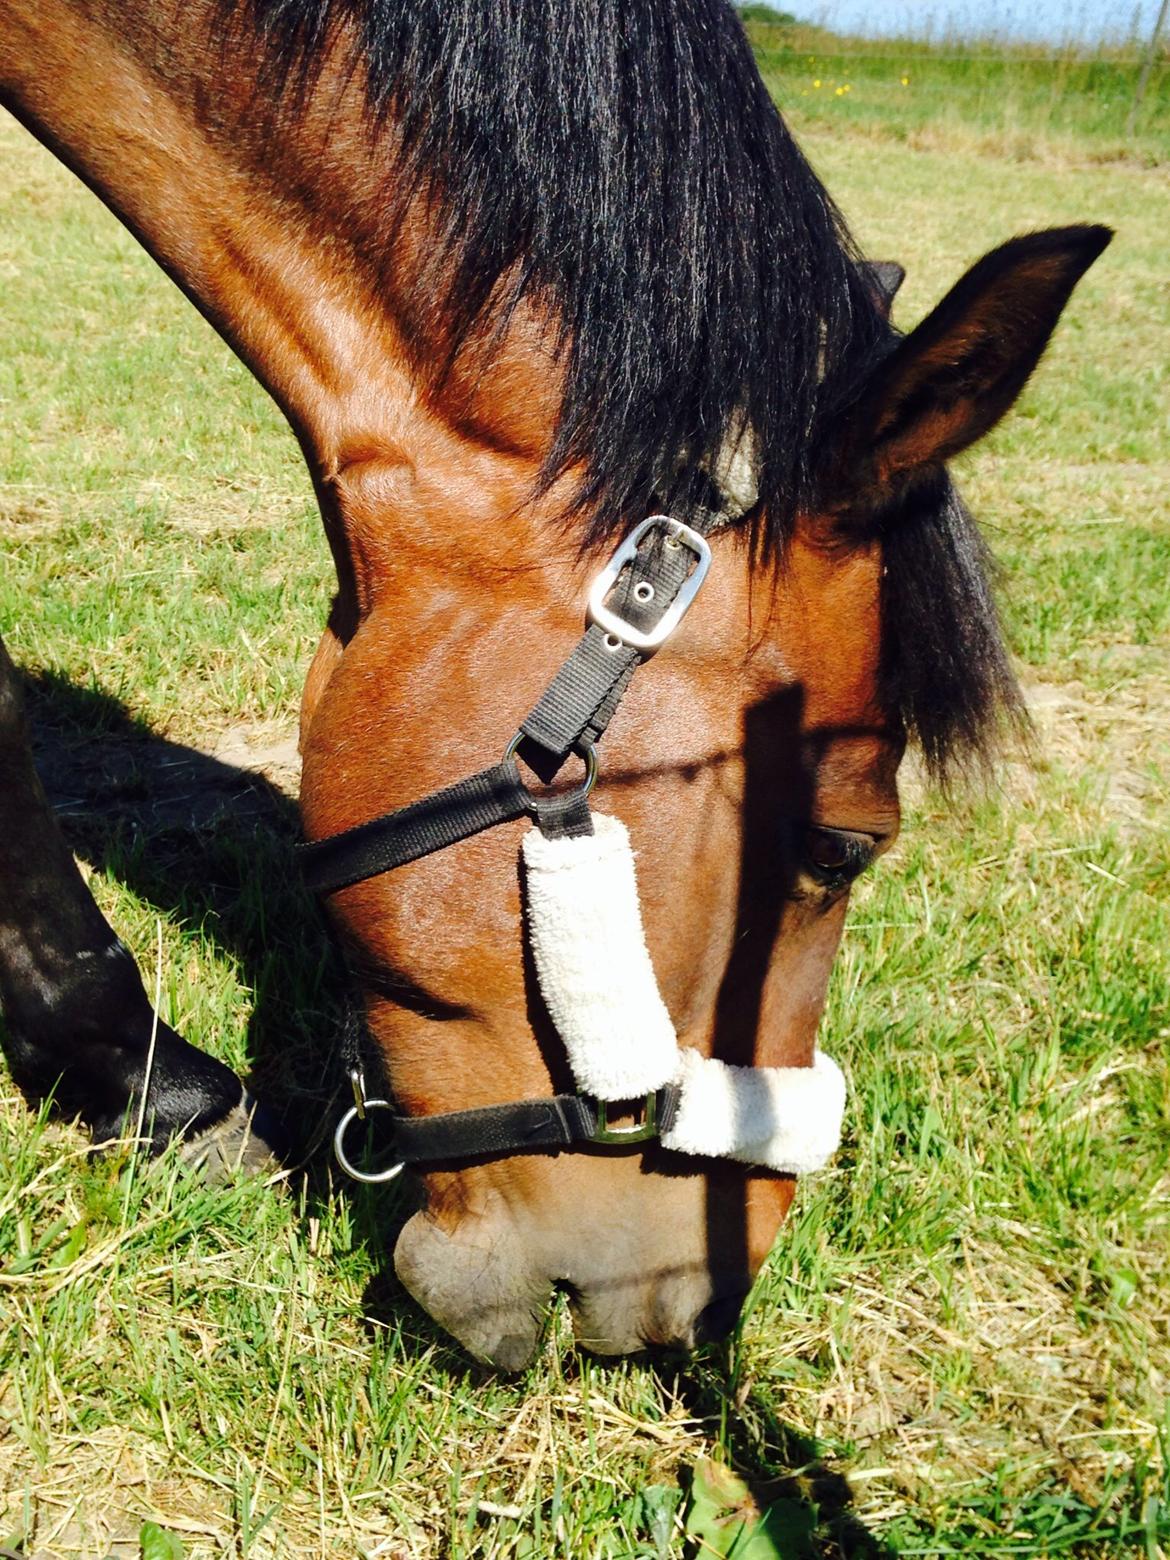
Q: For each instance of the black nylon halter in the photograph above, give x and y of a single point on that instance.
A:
(640, 596)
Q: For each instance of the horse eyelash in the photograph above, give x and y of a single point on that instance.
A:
(858, 856)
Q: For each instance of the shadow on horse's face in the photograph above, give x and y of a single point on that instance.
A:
(759, 723)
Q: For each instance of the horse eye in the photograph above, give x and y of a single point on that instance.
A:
(835, 856)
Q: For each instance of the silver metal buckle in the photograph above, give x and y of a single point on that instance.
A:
(641, 1131)
(358, 1111)
(613, 623)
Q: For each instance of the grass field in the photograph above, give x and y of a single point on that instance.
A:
(1012, 100)
(960, 1344)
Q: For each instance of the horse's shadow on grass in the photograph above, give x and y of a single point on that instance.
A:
(787, 1474)
(210, 843)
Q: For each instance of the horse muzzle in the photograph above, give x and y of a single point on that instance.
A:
(646, 1261)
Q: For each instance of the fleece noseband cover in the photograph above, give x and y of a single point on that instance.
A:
(597, 981)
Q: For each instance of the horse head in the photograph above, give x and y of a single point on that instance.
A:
(521, 276)
(754, 764)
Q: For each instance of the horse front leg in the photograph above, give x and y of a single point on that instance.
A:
(77, 1018)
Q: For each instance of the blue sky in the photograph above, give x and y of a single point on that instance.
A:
(1055, 20)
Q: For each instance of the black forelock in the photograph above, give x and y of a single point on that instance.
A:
(621, 163)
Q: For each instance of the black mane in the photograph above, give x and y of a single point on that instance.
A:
(621, 161)
(945, 667)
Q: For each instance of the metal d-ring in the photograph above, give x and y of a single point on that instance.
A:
(359, 1112)
(585, 751)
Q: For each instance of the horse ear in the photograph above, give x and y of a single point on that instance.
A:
(884, 278)
(951, 380)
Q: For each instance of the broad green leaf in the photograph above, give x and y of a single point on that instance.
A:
(723, 1517)
(1125, 1286)
(720, 1510)
(74, 1246)
(155, 1543)
(659, 1504)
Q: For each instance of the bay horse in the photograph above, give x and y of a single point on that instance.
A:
(519, 276)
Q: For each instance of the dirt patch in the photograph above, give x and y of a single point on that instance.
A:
(107, 1522)
(1115, 739)
(1121, 735)
(262, 748)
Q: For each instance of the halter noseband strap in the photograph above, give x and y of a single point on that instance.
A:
(525, 1126)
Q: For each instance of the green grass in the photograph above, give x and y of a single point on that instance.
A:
(960, 1343)
(1020, 101)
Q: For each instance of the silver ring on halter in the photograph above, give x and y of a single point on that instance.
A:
(356, 1113)
(585, 751)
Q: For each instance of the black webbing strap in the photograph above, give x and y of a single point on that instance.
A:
(579, 702)
(581, 687)
(521, 1127)
(494, 1129)
(495, 795)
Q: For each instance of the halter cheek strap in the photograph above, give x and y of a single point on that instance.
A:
(584, 922)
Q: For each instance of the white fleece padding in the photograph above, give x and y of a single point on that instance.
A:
(788, 1118)
(735, 471)
(594, 969)
(595, 974)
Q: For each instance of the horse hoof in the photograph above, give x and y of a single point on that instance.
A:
(247, 1141)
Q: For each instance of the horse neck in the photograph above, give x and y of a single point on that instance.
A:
(260, 219)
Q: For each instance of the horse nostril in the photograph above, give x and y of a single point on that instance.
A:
(716, 1320)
